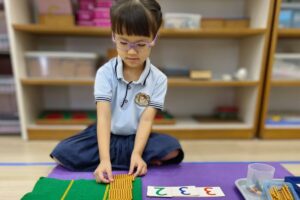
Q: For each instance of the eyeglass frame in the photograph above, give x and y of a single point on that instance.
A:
(133, 45)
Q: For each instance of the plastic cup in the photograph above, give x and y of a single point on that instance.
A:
(257, 174)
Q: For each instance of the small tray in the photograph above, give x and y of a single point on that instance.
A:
(269, 184)
(248, 195)
(241, 185)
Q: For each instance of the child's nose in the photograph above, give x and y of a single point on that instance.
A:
(132, 51)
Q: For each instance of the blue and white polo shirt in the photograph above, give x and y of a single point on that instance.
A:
(129, 99)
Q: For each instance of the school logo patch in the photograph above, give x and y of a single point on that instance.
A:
(142, 99)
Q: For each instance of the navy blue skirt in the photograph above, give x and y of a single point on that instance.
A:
(80, 152)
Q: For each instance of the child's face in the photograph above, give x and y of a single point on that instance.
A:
(133, 50)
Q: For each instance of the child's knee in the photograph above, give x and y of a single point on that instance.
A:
(57, 161)
(171, 155)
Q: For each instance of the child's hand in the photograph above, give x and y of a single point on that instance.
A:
(103, 173)
(139, 164)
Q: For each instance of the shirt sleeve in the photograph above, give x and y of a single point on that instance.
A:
(157, 99)
(103, 85)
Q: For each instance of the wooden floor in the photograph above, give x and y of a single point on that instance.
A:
(15, 181)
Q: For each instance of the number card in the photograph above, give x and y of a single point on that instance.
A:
(157, 191)
(210, 192)
(184, 191)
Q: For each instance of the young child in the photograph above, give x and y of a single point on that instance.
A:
(128, 91)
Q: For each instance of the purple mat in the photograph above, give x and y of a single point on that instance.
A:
(199, 174)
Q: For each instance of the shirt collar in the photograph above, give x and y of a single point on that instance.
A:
(143, 78)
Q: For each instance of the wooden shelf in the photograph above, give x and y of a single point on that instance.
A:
(192, 124)
(289, 32)
(168, 33)
(281, 132)
(49, 132)
(285, 83)
(183, 129)
(182, 82)
(173, 82)
(230, 33)
(56, 82)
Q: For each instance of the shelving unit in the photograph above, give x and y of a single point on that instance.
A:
(280, 95)
(219, 50)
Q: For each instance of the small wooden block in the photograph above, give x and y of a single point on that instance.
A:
(57, 20)
(236, 23)
(211, 23)
(200, 74)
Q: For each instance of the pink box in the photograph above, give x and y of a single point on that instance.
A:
(102, 23)
(83, 15)
(104, 3)
(85, 23)
(54, 7)
(86, 5)
(102, 13)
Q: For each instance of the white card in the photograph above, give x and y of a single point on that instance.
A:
(184, 191)
(210, 192)
(298, 185)
(157, 191)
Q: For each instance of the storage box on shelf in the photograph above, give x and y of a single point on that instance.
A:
(61, 65)
(221, 23)
(289, 15)
(286, 66)
(94, 13)
(54, 13)
(8, 100)
(181, 21)
(4, 42)
(221, 51)
(9, 122)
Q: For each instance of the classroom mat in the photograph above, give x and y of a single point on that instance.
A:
(221, 174)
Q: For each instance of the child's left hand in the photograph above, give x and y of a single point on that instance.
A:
(137, 163)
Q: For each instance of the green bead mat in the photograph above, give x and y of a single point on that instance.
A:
(56, 189)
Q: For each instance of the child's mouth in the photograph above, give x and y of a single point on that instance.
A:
(132, 59)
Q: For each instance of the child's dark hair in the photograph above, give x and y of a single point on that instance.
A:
(136, 17)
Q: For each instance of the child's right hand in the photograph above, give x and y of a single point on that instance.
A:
(103, 173)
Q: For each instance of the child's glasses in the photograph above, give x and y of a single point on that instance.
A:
(138, 46)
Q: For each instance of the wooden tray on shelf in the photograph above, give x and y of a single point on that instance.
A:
(89, 117)
(66, 118)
